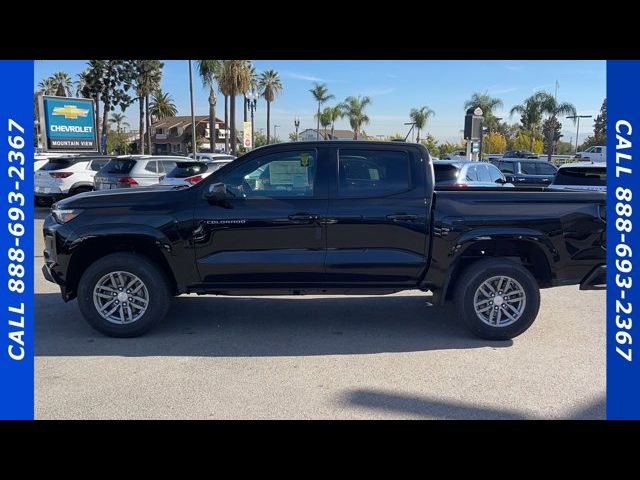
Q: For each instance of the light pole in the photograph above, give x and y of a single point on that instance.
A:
(275, 132)
(410, 132)
(193, 117)
(252, 103)
(578, 117)
(296, 122)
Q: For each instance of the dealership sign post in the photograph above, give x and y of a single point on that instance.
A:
(68, 124)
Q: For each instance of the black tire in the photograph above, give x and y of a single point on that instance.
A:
(150, 274)
(476, 275)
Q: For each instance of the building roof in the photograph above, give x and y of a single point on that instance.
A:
(337, 134)
(181, 121)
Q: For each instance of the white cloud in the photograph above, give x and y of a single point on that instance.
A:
(502, 90)
(303, 76)
(542, 87)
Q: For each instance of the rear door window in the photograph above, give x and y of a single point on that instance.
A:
(98, 163)
(166, 165)
(151, 166)
(528, 168)
(472, 174)
(57, 164)
(372, 173)
(483, 173)
(494, 173)
(506, 167)
(445, 172)
(546, 169)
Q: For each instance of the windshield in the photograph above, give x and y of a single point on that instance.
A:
(445, 172)
(119, 165)
(593, 177)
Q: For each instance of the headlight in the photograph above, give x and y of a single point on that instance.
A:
(65, 215)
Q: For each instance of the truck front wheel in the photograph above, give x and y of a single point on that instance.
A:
(497, 299)
(123, 295)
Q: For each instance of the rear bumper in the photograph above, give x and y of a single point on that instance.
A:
(596, 279)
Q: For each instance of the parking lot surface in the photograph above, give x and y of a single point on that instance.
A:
(319, 357)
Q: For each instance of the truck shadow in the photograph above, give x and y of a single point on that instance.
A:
(255, 326)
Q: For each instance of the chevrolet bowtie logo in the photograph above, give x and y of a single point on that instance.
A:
(70, 111)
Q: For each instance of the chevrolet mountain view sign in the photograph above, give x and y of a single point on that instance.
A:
(67, 124)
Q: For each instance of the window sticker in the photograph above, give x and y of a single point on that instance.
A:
(287, 172)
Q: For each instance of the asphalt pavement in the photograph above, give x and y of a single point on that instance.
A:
(319, 357)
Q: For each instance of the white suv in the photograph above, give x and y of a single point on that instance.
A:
(62, 177)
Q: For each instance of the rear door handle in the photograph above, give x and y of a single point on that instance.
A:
(303, 217)
(402, 217)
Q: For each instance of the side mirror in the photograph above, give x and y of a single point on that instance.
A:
(216, 193)
(501, 181)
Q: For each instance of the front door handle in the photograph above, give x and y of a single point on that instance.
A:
(402, 217)
(303, 217)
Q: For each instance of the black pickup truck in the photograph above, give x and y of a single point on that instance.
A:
(324, 217)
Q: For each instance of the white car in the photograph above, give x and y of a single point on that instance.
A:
(62, 177)
(204, 156)
(590, 176)
(596, 154)
(190, 173)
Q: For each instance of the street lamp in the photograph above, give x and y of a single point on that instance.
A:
(252, 104)
(578, 117)
(296, 122)
(275, 131)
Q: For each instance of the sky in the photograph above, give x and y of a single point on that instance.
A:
(395, 87)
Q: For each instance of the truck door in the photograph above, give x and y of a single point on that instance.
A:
(377, 222)
(268, 230)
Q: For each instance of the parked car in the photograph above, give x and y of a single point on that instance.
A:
(314, 222)
(212, 156)
(520, 154)
(135, 171)
(60, 177)
(581, 176)
(468, 174)
(190, 173)
(594, 154)
(527, 172)
(457, 155)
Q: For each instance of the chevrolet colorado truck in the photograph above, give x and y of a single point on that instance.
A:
(328, 217)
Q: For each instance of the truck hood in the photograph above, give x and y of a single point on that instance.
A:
(121, 197)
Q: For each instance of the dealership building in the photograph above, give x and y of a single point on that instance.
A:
(170, 135)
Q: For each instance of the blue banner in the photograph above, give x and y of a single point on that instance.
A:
(69, 124)
(16, 239)
(623, 247)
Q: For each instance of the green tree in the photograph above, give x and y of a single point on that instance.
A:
(531, 112)
(269, 86)
(588, 142)
(420, 117)
(353, 108)
(148, 75)
(63, 84)
(431, 143)
(335, 113)
(293, 136)
(523, 142)
(600, 125)
(187, 138)
(495, 143)
(488, 104)
(447, 147)
(235, 79)
(118, 120)
(113, 79)
(564, 148)
(162, 105)
(321, 95)
(209, 70)
(117, 143)
(554, 109)
(259, 139)
(47, 86)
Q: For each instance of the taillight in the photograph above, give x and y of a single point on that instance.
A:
(193, 180)
(127, 180)
(161, 178)
(60, 174)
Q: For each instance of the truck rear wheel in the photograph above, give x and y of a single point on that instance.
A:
(123, 295)
(497, 299)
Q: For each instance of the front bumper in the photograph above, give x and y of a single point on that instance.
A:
(596, 279)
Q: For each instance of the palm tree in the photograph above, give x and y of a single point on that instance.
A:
(63, 84)
(325, 120)
(162, 105)
(209, 70)
(81, 85)
(47, 86)
(554, 109)
(118, 120)
(420, 117)
(147, 81)
(234, 80)
(335, 113)
(487, 104)
(530, 115)
(321, 95)
(353, 108)
(270, 87)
